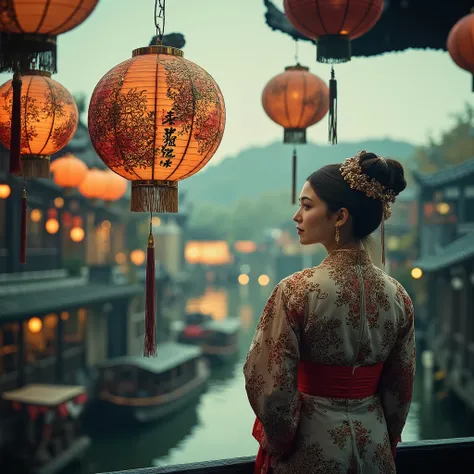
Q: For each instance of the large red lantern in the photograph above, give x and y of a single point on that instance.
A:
(461, 44)
(295, 100)
(333, 24)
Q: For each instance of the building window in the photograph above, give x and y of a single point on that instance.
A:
(74, 327)
(40, 338)
(9, 335)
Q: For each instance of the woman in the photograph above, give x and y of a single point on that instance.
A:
(330, 370)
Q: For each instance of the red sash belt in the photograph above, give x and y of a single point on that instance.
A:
(328, 381)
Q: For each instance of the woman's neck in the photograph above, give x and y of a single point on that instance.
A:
(349, 245)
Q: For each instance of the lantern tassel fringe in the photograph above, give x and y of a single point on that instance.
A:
(23, 228)
(333, 109)
(150, 300)
(35, 166)
(154, 198)
(293, 190)
(15, 133)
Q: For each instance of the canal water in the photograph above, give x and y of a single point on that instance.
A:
(218, 424)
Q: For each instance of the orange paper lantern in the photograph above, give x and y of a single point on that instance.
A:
(68, 171)
(156, 119)
(461, 44)
(29, 29)
(49, 119)
(115, 187)
(93, 185)
(295, 100)
(333, 23)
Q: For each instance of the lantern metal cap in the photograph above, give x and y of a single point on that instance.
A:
(157, 49)
(36, 72)
(297, 67)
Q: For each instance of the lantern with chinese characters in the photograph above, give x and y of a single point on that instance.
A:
(115, 186)
(295, 100)
(49, 119)
(461, 44)
(68, 171)
(156, 119)
(333, 24)
(93, 185)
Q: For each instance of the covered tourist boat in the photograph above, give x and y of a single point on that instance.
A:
(221, 343)
(46, 436)
(137, 389)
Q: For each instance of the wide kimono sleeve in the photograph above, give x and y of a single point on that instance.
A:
(398, 376)
(271, 374)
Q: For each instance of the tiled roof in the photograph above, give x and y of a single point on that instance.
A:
(445, 176)
(40, 302)
(453, 253)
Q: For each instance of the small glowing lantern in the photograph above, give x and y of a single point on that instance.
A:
(93, 185)
(137, 257)
(295, 100)
(243, 279)
(5, 191)
(35, 325)
(68, 171)
(115, 186)
(263, 280)
(416, 273)
(77, 232)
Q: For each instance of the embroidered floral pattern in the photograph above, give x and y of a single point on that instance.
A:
(314, 316)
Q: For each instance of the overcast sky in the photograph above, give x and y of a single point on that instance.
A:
(404, 96)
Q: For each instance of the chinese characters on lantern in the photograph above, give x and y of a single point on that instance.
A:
(169, 140)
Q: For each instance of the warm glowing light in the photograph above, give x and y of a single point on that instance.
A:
(106, 225)
(137, 257)
(64, 315)
(208, 253)
(213, 302)
(59, 202)
(52, 226)
(416, 273)
(35, 215)
(77, 234)
(156, 221)
(245, 246)
(443, 208)
(263, 280)
(5, 191)
(243, 279)
(35, 325)
(120, 258)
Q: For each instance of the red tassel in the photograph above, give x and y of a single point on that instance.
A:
(294, 177)
(23, 228)
(150, 303)
(15, 132)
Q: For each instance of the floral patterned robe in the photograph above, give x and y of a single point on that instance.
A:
(346, 311)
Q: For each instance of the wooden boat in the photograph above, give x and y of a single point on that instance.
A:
(221, 343)
(139, 389)
(47, 436)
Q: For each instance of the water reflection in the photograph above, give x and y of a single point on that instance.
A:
(218, 425)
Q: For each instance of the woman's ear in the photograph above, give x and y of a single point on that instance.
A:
(342, 216)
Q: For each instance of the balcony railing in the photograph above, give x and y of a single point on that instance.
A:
(434, 457)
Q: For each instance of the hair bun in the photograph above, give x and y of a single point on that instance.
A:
(386, 171)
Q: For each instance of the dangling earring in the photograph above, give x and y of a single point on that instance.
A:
(337, 235)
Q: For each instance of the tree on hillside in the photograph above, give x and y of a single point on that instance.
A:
(455, 146)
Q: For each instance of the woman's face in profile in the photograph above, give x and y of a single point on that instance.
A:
(312, 221)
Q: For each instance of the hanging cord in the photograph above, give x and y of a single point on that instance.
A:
(296, 52)
(293, 183)
(160, 18)
(23, 225)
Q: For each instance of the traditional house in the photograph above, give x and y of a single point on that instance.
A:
(446, 224)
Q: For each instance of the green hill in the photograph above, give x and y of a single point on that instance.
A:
(259, 171)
